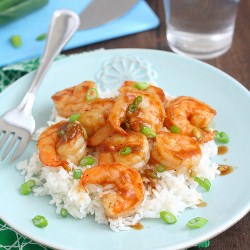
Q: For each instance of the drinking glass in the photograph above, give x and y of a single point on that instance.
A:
(200, 28)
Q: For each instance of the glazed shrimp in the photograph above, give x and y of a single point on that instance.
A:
(60, 143)
(151, 89)
(132, 148)
(69, 101)
(175, 151)
(94, 114)
(129, 189)
(100, 135)
(150, 112)
(191, 116)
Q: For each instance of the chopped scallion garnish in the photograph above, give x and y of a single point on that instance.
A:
(77, 174)
(141, 85)
(91, 94)
(161, 168)
(206, 184)
(87, 160)
(16, 41)
(138, 100)
(26, 187)
(168, 217)
(221, 137)
(134, 106)
(41, 37)
(74, 118)
(64, 212)
(40, 221)
(197, 222)
(125, 150)
(148, 132)
(175, 129)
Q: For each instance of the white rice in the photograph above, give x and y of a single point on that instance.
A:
(173, 193)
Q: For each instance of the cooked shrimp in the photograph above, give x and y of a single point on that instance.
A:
(176, 151)
(94, 114)
(100, 135)
(132, 148)
(69, 101)
(60, 143)
(149, 112)
(129, 192)
(191, 116)
(151, 88)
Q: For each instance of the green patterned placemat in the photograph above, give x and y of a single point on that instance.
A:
(10, 239)
(11, 73)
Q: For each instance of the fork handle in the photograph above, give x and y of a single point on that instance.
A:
(63, 25)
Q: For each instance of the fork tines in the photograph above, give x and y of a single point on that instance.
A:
(12, 138)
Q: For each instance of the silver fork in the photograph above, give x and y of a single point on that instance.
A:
(18, 124)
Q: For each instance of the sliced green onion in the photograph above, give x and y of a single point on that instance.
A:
(74, 118)
(141, 85)
(134, 106)
(40, 221)
(87, 160)
(168, 217)
(77, 174)
(91, 94)
(206, 184)
(197, 222)
(221, 137)
(64, 212)
(138, 100)
(26, 187)
(148, 132)
(25, 190)
(125, 151)
(16, 41)
(175, 129)
(161, 168)
(31, 183)
(41, 37)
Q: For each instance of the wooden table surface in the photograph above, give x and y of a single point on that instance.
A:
(236, 62)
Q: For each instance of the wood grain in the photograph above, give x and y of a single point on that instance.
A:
(236, 62)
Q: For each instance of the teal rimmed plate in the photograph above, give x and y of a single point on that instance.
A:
(228, 200)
